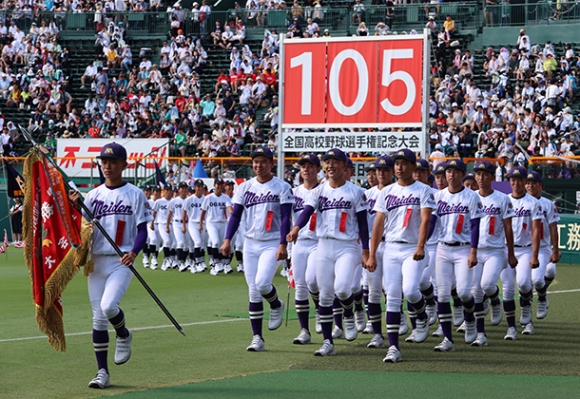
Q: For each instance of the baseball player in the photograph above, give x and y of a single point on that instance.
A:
(192, 213)
(147, 191)
(527, 226)
(427, 287)
(267, 202)
(159, 224)
(123, 211)
(342, 210)
(432, 244)
(304, 251)
(239, 236)
(216, 206)
(459, 210)
(548, 232)
(370, 183)
(470, 182)
(357, 289)
(152, 239)
(174, 217)
(190, 245)
(374, 280)
(403, 210)
(493, 257)
(458, 318)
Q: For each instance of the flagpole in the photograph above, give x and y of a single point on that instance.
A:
(99, 227)
(7, 202)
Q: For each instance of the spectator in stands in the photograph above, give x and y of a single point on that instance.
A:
(362, 30)
(358, 12)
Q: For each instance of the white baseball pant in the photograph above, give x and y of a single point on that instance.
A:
(108, 284)
(216, 232)
(538, 274)
(491, 262)
(303, 258)
(166, 238)
(260, 266)
(451, 265)
(336, 261)
(401, 274)
(179, 235)
(521, 275)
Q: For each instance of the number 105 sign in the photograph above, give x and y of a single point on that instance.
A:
(353, 82)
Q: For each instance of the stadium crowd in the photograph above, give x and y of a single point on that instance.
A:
(521, 108)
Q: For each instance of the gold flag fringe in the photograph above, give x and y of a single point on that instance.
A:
(48, 318)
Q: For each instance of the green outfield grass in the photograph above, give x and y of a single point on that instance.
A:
(213, 355)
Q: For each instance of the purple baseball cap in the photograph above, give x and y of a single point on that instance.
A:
(198, 182)
(182, 185)
(468, 176)
(309, 158)
(518, 171)
(114, 151)
(371, 167)
(349, 163)
(384, 162)
(405, 154)
(484, 166)
(335, 153)
(456, 164)
(535, 176)
(262, 151)
(422, 164)
(218, 180)
(440, 168)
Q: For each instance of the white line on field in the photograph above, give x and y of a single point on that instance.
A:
(197, 323)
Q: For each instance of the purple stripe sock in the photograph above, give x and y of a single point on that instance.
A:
(358, 301)
(480, 317)
(256, 310)
(347, 305)
(375, 313)
(526, 298)
(494, 298)
(428, 294)
(393, 323)
(509, 307)
(325, 313)
(412, 315)
(303, 312)
(118, 323)
(272, 298)
(101, 346)
(445, 319)
(468, 308)
(315, 298)
(337, 312)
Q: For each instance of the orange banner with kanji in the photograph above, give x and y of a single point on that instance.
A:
(51, 232)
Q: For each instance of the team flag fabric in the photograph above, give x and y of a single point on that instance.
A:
(291, 281)
(101, 175)
(159, 178)
(2, 250)
(15, 181)
(51, 228)
(6, 245)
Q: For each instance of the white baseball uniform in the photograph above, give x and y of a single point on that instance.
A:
(119, 211)
(456, 212)
(216, 216)
(402, 207)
